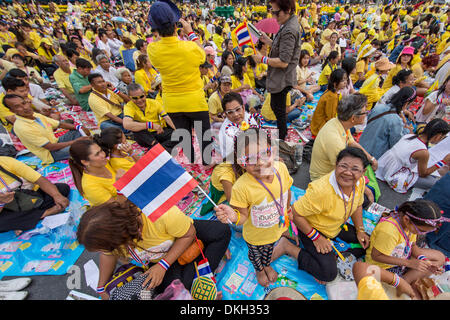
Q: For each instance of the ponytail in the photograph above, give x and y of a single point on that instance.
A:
(433, 128)
(79, 151)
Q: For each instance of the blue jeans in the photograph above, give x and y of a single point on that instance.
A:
(63, 154)
(109, 123)
(294, 114)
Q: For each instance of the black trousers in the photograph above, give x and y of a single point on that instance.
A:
(216, 237)
(187, 120)
(278, 105)
(147, 139)
(10, 220)
(323, 266)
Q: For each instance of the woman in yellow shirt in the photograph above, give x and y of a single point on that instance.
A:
(393, 242)
(145, 74)
(403, 62)
(362, 66)
(240, 83)
(119, 231)
(330, 46)
(328, 67)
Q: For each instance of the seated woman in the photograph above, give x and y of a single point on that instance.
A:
(15, 175)
(32, 73)
(328, 102)
(362, 66)
(385, 125)
(92, 174)
(435, 104)
(404, 78)
(118, 231)
(227, 63)
(403, 62)
(330, 46)
(120, 153)
(305, 82)
(393, 242)
(240, 83)
(125, 78)
(46, 54)
(293, 110)
(322, 214)
(406, 164)
(328, 67)
(145, 74)
(428, 64)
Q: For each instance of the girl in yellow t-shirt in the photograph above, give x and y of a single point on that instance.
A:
(328, 67)
(393, 241)
(260, 201)
(114, 143)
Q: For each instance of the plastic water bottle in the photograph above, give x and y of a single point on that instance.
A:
(45, 77)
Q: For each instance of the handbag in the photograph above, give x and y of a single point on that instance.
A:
(24, 200)
(123, 275)
(192, 252)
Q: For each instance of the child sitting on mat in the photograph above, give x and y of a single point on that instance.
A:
(393, 242)
(259, 200)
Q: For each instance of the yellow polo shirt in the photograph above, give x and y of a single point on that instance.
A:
(154, 112)
(332, 138)
(124, 163)
(323, 207)
(215, 104)
(141, 77)
(62, 79)
(101, 107)
(178, 63)
(18, 168)
(5, 112)
(34, 134)
(98, 190)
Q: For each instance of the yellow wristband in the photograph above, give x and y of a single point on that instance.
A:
(239, 216)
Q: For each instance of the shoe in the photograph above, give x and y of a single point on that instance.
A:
(14, 284)
(14, 295)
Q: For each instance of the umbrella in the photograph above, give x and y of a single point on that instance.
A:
(120, 19)
(268, 25)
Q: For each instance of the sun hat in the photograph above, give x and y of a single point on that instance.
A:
(384, 64)
(407, 50)
(210, 51)
(248, 52)
(284, 293)
(163, 13)
(46, 41)
(365, 52)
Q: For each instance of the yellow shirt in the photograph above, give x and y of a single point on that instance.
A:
(266, 110)
(326, 49)
(360, 38)
(8, 38)
(222, 172)
(44, 53)
(262, 226)
(326, 109)
(159, 236)
(215, 104)
(101, 107)
(181, 81)
(325, 73)
(34, 134)
(62, 79)
(18, 168)
(323, 207)
(5, 112)
(141, 77)
(308, 47)
(371, 289)
(361, 67)
(153, 112)
(98, 190)
(124, 163)
(35, 38)
(418, 73)
(387, 84)
(387, 239)
(326, 35)
(236, 83)
(332, 138)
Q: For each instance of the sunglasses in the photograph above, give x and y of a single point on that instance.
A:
(263, 155)
(275, 12)
(138, 97)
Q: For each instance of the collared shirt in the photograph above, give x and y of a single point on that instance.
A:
(78, 82)
(5, 112)
(36, 133)
(153, 112)
(101, 107)
(286, 47)
(109, 76)
(62, 79)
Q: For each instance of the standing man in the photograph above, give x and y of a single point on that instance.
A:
(283, 59)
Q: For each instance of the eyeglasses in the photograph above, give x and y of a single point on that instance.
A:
(138, 97)
(230, 112)
(275, 12)
(363, 113)
(263, 155)
(353, 170)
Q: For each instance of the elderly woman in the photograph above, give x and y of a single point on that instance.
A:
(323, 212)
(119, 231)
(335, 135)
(385, 125)
(283, 59)
(125, 78)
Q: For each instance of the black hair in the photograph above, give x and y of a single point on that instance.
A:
(332, 55)
(238, 67)
(79, 151)
(354, 153)
(93, 76)
(402, 97)
(225, 56)
(348, 64)
(442, 87)
(433, 128)
(401, 76)
(108, 138)
(420, 208)
(139, 44)
(72, 52)
(82, 63)
(18, 55)
(17, 73)
(303, 53)
(335, 78)
(95, 52)
(11, 83)
(9, 96)
(167, 30)
(231, 96)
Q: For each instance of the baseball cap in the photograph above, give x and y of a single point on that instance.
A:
(163, 13)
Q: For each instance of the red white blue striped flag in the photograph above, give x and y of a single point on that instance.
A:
(243, 34)
(155, 183)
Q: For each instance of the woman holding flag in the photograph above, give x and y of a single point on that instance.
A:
(282, 60)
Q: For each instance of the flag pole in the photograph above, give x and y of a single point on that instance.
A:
(215, 205)
(251, 40)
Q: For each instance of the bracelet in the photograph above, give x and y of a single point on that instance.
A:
(2, 205)
(239, 216)
(149, 125)
(192, 36)
(361, 229)
(396, 281)
(115, 90)
(163, 263)
(264, 60)
(422, 257)
(313, 234)
(100, 289)
(440, 164)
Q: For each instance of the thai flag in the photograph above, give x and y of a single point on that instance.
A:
(242, 34)
(205, 270)
(155, 183)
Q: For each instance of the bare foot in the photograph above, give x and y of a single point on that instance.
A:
(261, 276)
(18, 232)
(219, 295)
(272, 275)
(228, 254)
(284, 246)
(53, 210)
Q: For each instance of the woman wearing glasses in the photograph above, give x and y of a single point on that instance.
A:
(393, 242)
(385, 125)
(282, 60)
(147, 120)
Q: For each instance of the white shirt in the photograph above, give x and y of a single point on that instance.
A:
(103, 46)
(109, 76)
(114, 45)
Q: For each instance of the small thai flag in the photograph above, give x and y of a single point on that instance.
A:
(205, 270)
(155, 183)
(243, 35)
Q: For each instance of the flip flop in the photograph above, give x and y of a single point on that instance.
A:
(14, 295)
(14, 284)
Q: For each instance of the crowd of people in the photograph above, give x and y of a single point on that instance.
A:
(378, 75)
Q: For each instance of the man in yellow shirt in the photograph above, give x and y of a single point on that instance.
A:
(147, 119)
(106, 104)
(61, 76)
(35, 131)
(6, 36)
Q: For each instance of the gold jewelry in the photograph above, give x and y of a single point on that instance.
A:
(239, 216)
